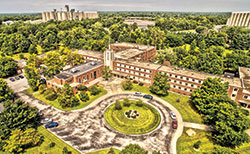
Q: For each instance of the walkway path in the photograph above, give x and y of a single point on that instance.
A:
(197, 126)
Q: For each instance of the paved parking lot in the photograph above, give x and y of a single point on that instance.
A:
(87, 131)
(18, 85)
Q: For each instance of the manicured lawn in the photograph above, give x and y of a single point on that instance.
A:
(185, 143)
(184, 106)
(48, 138)
(105, 151)
(147, 119)
(57, 105)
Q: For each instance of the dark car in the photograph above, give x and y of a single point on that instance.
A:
(148, 97)
(17, 78)
(21, 76)
(12, 79)
(42, 81)
(174, 124)
(51, 125)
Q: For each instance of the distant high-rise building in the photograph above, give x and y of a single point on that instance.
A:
(241, 19)
(68, 15)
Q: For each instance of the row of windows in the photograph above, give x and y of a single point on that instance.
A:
(181, 88)
(183, 83)
(132, 72)
(140, 79)
(91, 77)
(135, 68)
(181, 77)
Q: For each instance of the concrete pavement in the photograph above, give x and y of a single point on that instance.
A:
(197, 126)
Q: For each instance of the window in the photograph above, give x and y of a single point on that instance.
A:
(180, 82)
(170, 74)
(139, 69)
(181, 77)
(199, 81)
(191, 90)
(233, 95)
(87, 77)
(185, 89)
(174, 86)
(235, 89)
(193, 80)
(187, 78)
(174, 81)
(98, 72)
(179, 87)
(192, 85)
(186, 84)
(176, 76)
(83, 77)
(79, 80)
(245, 97)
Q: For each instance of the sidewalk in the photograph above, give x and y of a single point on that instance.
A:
(197, 126)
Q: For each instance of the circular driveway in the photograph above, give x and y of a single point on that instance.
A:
(86, 130)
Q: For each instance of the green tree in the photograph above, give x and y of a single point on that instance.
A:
(66, 151)
(5, 92)
(106, 73)
(67, 98)
(133, 149)
(118, 105)
(111, 151)
(8, 67)
(53, 63)
(127, 85)
(17, 115)
(83, 96)
(160, 85)
(20, 140)
(94, 90)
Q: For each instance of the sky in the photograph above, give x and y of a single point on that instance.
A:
(28, 6)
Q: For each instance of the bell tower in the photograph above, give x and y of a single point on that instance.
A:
(109, 58)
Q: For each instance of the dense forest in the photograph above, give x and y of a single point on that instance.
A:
(186, 40)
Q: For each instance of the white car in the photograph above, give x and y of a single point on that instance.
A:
(46, 120)
(139, 94)
(173, 116)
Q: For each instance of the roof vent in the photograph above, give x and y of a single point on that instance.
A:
(73, 70)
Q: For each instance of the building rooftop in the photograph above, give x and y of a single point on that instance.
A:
(199, 75)
(82, 68)
(245, 76)
(133, 45)
(63, 76)
(147, 65)
(128, 53)
(91, 53)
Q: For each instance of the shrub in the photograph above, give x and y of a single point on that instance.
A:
(135, 82)
(42, 88)
(51, 97)
(83, 96)
(141, 84)
(197, 144)
(139, 103)
(82, 88)
(118, 105)
(127, 85)
(94, 90)
(48, 91)
(21, 56)
(126, 102)
(245, 112)
(66, 151)
(52, 144)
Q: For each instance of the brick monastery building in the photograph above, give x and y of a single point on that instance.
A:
(128, 60)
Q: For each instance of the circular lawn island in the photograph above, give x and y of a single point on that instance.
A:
(132, 117)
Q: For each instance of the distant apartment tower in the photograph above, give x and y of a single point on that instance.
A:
(241, 19)
(68, 15)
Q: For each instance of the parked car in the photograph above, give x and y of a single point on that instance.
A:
(21, 76)
(46, 120)
(148, 97)
(139, 94)
(12, 79)
(17, 78)
(174, 124)
(51, 125)
(172, 114)
(42, 81)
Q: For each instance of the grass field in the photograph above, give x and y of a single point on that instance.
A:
(184, 106)
(185, 143)
(57, 105)
(105, 151)
(147, 120)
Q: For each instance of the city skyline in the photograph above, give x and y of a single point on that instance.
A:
(29, 6)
